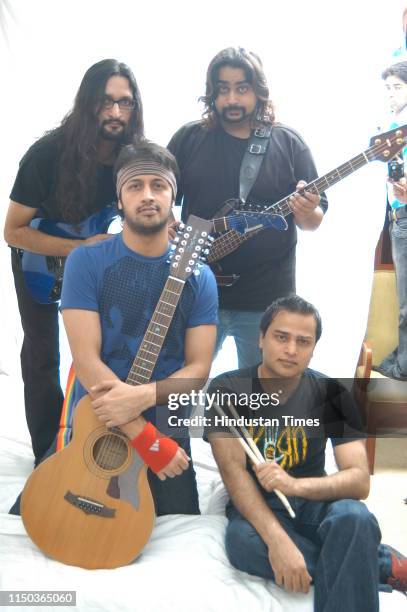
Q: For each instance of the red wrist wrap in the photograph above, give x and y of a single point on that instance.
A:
(154, 449)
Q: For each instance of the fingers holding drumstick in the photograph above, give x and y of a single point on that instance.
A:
(251, 449)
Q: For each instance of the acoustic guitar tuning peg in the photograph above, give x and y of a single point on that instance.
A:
(197, 272)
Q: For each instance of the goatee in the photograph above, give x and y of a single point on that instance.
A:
(112, 134)
(145, 230)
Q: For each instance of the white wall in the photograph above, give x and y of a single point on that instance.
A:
(323, 61)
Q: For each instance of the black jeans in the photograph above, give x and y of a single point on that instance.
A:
(178, 495)
(43, 395)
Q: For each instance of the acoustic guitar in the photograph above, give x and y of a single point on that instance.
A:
(90, 504)
(382, 147)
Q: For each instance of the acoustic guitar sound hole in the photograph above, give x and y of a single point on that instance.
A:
(110, 452)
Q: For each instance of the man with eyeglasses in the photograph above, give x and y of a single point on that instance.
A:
(66, 176)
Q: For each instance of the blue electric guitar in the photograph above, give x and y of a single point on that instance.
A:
(43, 274)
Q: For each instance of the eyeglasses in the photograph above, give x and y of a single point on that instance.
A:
(125, 104)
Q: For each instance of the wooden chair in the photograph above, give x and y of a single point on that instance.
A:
(384, 399)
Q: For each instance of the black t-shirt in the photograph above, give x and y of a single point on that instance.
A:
(209, 162)
(35, 183)
(293, 433)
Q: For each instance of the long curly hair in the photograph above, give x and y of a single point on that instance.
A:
(78, 137)
(250, 63)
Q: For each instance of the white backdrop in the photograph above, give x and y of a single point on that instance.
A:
(323, 62)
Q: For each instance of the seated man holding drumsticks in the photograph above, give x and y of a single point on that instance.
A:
(289, 411)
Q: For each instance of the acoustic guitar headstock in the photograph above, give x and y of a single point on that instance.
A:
(190, 247)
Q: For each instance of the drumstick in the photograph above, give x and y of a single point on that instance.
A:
(246, 434)
(233, 429)
(258, 454)
(253, 454)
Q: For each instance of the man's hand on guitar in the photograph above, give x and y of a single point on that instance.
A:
(304, 204)
(116, 403)
(178, 464)
(96, 238)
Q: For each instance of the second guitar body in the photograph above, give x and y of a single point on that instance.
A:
(90, 504)
(43, 274)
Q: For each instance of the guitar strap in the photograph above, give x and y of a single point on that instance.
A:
(65, 424)
(252, 160)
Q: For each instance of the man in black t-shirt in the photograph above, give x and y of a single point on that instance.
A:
(66, 176)
(290, 411)
(209, 154)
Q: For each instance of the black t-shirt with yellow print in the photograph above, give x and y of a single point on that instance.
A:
(294, 431)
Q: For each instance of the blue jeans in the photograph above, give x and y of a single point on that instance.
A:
(339, 541)
(243, 326)
(395, 364)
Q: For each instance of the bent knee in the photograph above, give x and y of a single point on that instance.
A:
(351, 513)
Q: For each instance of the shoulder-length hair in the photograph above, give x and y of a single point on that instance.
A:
(79, 132)
(250, 63)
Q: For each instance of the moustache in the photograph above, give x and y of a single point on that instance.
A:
(116, 121)
(234, 109)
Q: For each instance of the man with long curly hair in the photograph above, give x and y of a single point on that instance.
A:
(66, 176)
(210, 153)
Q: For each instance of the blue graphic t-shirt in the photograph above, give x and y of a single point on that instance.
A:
(124, 288)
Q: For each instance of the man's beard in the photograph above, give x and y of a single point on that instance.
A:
(242, 117)
(145, 230)
(115, 134)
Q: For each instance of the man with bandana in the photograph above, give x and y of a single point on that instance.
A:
(109, 294)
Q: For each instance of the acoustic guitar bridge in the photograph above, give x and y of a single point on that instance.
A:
(89, 506)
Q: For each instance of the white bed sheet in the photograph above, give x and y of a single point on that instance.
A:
(183, 567)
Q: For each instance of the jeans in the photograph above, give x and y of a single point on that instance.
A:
(243, 326)
(395, 364)
(43, 395)
(339, 541)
